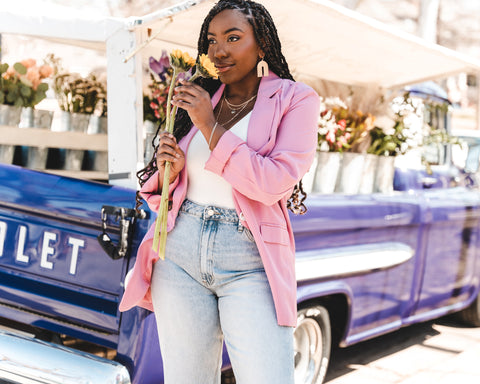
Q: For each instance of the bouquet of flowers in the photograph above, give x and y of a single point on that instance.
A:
(340, 127)
(22, 84)
(395, 135)
(75, 93)
(181, 62)
(332, 133)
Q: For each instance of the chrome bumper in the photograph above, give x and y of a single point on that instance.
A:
(25, 360)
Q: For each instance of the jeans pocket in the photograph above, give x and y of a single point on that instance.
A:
(248, 234)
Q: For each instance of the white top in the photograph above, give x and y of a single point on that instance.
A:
(205, 187)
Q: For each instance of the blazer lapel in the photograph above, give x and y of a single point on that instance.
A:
(264, 113)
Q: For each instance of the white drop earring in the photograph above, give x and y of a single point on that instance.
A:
(262, 68)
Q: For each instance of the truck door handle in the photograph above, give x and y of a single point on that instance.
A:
(123, 215)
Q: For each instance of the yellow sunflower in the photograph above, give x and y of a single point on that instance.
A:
(206, 67)
(182, 61)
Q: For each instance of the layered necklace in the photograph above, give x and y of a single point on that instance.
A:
(235, 112)
(238, 107)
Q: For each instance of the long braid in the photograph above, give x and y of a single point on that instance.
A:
(267, 39)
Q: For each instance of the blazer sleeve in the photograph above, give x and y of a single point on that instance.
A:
(268, 178)
(152, 195)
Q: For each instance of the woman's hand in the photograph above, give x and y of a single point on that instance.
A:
(168, 150)
(196, 101)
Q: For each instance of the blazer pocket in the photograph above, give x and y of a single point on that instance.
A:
(272, 233)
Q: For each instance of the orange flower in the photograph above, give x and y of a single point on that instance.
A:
(10, 73)
(28, 63)
(33, 75)
(45, 71)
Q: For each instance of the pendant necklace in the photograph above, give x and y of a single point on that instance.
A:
(235, 107)
(243, 106)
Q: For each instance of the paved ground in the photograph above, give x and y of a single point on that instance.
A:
(438, 352)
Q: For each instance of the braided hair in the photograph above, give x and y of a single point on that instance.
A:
(267, 39)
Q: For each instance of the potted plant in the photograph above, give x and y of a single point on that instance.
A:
(77, 98)
(22, 87)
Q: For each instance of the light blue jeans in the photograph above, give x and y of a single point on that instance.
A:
(210, 287)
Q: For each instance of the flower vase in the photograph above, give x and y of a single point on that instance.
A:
(99, 159)
(74, 122)
(309, 177)
(368, 174)
(36, 157)
(385, 173)
(9, 116)
(326, 173)
(350, 175)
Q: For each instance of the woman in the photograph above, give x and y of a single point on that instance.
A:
(228, 273)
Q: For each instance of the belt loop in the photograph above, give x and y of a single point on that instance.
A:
(240, 225)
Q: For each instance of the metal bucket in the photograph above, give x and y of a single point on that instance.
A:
(99, 160)
(10, 116)
(326, 173)
(74, 122)
(350, 175)
(36, 157)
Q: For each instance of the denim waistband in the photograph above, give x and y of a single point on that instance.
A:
(209, 211)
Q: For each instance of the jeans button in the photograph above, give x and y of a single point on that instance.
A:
(210, 212)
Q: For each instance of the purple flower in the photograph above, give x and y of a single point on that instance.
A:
(161, 65)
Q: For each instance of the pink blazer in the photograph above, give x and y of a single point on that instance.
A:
(280, 147)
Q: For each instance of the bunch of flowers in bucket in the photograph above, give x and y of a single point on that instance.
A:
(22, 84)
(400, 131)
(341, 128)
(181, 62)
(332, 134)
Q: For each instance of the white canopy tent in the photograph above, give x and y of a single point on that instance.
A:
(321, 41)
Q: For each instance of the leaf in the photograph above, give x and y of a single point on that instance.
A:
(3, 68)
(20, 68)
(25, 91)
(42, 87)
(26, 81)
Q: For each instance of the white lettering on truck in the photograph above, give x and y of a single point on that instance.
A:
(75, 243)
(47, 250)
(21, 245)
(3, 234)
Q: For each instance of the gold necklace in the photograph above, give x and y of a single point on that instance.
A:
(234, 107)
(234, 116)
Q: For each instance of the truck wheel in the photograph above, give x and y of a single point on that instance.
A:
(312, 342)
(471, 314)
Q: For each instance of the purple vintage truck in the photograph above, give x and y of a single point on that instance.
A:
(367, 264)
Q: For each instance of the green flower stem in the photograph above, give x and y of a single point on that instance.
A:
(160, 235)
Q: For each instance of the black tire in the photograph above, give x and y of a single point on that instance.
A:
(312, 343)
(471, 314)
